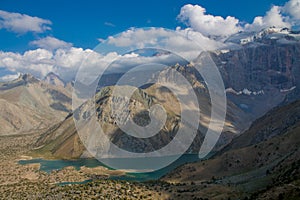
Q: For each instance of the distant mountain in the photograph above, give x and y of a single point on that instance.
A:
(257, 78)
(28, 103)
(260, 77)
(54, 79)
(258, 152)
(53, 142)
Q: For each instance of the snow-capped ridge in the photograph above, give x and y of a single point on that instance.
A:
(271, 33)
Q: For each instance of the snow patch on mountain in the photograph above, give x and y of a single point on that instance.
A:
(245, 91)
(288, 90)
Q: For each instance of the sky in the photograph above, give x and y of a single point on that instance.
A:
(57, 30)
(82, 22)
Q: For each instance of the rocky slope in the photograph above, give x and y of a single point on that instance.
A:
(62, 140)
(28, 104)
(56, 139)
(264, 157)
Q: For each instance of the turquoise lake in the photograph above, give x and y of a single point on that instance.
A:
(50, 165)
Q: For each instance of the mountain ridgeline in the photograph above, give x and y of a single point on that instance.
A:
(262, 163)
(28, 104)
(259, 75)
(54, 139)
(257, 154)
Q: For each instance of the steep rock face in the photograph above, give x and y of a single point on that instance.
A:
(261, 77)
(28, 103)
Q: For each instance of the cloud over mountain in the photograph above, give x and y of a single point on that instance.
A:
(273, 17)
(55, 55)
(293, 9)
(51, 43)
(40, 62)
(196, 17)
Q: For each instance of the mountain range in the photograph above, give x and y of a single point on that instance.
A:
(257, 79)
(258, 151)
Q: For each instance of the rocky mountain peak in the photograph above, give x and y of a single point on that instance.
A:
(27, 78)
(23, 79)
(54, 79)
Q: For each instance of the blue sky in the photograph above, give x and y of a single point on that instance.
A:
(82, 22)
(39, 37)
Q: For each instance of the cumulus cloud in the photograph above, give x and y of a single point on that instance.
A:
(9, 77)
(21, 23)
(273, 17)
(38, 62)
(292, 8)
(51, 43)
(278, 16)
(64, 62)
(195, 16)
(138, 37)
(60, 57)
(184, 42)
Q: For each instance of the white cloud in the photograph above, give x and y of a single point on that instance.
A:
(38, 62)
(21, 23)
(184, 42)
(292, 8)
(137, 37)
(64, 62)
(59, 57)
(195, 16)
(51, 43)
(54, 55)
(109, 24)
(9, 77)
(273, 17)
(278, 16)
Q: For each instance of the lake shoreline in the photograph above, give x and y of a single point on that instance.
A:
(91, 164)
